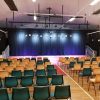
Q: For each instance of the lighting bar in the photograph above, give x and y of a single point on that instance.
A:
(72, 19)
(94, 2)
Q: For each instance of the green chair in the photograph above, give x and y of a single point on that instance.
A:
(50, 67)
(29, 73)
(40, 72)
(87, 72)
(11, 82)
(41, 93)
(26, 81)
(51, 72)
(62, 92)
(42, 81)
(21, 93)
(17, 73)
(57, 80)
(3, 94)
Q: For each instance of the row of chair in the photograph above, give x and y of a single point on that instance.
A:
(39, 93)
(10, 82)
(19, 74)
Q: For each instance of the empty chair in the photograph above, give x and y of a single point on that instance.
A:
(42, 81)
(62, 92)
(21, 93)
(3, 94)
(87, 72)
(16, 73)
(50, 67)
(26, 81)
(41, 93)
(57, 80)
(29, 73)
(51, 72)
(11, 82)
(40, 72)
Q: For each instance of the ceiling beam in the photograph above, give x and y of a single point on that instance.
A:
(11, 5)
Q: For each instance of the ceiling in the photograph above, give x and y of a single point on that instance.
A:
(70, 7)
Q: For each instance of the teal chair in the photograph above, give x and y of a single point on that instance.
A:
(62, 92)
(42, 81)
(40, 72)
(51, 72)
(17, 73)
(29, 73)
(41, 93)
(21, 93)
(87, 72)
(50, 67)
(26, 81)
(3, 94)
(57, 80)
(11, 82)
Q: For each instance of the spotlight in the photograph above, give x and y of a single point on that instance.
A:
(65, 35)
(35, 17)
(29, 34)
(70, 35)
(26, 35)
(34, 0)
(40, 35)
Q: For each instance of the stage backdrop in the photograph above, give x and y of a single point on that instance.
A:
(29, 42)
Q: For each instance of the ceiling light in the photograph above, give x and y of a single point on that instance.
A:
(72, 19)
(94, 2)
(35, 17)
(34, 0)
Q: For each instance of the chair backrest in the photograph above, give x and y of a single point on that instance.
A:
(96, 71)
(42, 81)
(50, 67)
(21, 93)
(97, 78)
(26, 81)
(3, 94)
(57, 80)
(51, 72)
(87, 72)
(11, 82)
(62, 92)
(41, 93)
(40, 72)
(28, 73)
(16, 73)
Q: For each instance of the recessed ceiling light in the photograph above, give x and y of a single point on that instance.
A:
(94, 2)
(34, 0)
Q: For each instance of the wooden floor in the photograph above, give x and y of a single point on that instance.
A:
(78, 91)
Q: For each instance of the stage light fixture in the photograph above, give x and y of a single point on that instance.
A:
(35, 17)
(29, 34)
(40, 35)
(72, 19)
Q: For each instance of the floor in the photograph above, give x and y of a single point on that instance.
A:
(78, 91)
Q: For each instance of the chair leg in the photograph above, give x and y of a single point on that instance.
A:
(89, 86)
(94, 89)
(82, 81)
(78, 78)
